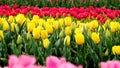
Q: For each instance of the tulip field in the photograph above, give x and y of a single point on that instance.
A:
(59, 37)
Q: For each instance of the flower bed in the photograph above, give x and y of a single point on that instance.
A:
(84, 36)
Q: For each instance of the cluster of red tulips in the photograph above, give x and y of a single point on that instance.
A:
(100, 14)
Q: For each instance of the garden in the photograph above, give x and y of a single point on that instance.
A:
(60, 33)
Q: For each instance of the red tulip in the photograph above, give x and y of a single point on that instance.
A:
(102, 21)
(15, 6)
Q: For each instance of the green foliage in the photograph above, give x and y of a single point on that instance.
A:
(113, 4)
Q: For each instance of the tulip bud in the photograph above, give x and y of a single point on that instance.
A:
(68, 30)
(19, 39)
(16, 28)
(28, 36)
(1, 35)
(62, 33)
(89, 33)
(73, 25)
(67, 40)
(46, 43)
(106, 52)
(107, 33)
(12, 27)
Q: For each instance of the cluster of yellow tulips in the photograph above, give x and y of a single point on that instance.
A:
(43, 28)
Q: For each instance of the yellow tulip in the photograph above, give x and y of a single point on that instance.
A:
(39, 28)
(89, 26)
(68, 21)
(67, 40)
(94, 24)
(112, 27)
(5, 26)
(50, 21)
(20, 18)
(30, 26)
(55, 25)
(61, 22)
(44, 34)
(115, 26)
(11, 19)
(95, 37)
(1, 35)
(49, 28)
(46, 43)
(116, 50)
(41, 22)
(77, 30)
(79, 38)
(12, 27)
(19, 39)
(35, 22)
(36, 17)
(68, 30)
(36, 33)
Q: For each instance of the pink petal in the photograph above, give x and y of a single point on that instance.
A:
(103, 65)
(18, 66)
(52, 62)
(67, 65)
(12, 60)
(116, 64)
(110, 64)
(26, 60)
(80, 66)
(62, 60)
